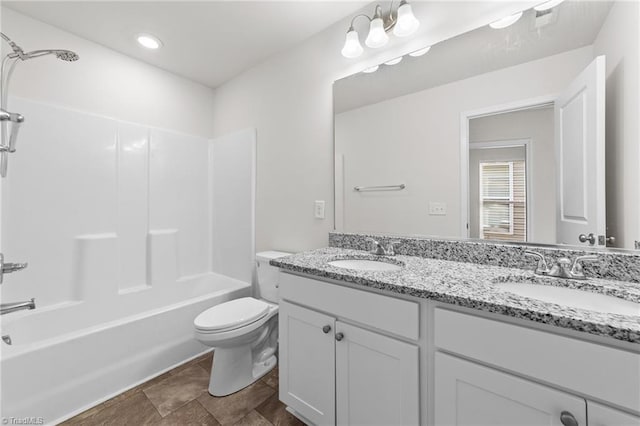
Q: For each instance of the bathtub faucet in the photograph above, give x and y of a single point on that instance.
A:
(7, 308)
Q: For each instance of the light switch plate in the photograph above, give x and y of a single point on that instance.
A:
(437, 208)
(318, 210)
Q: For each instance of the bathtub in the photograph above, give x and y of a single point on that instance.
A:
(69, 357)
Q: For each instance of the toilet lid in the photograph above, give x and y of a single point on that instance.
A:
(232, 314)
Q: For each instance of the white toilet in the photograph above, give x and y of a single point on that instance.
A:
(244, 332)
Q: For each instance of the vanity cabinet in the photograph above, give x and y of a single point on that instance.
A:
(498, 381)
(359, 357)
(471, 394)
(335, 371)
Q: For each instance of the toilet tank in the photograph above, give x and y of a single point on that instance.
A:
(268, 275)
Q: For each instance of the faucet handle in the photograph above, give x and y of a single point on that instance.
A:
(7, 268)
(542, 267)
(377, 249)
(391, 247)
(576, 268)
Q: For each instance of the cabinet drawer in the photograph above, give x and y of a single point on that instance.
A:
(400, 317)
(603, 372)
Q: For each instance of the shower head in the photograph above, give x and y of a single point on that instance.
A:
(64, 55)
(67, 55)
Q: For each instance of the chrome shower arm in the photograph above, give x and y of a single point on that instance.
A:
(17, 50)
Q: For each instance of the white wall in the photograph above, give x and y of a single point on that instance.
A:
(288, 99)
(619, 41)
(103, 81)
(537, 126)
(416, 139)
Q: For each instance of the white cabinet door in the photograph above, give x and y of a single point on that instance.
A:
(376, 379)
(470, 394)
(601, 415)
(307, 363)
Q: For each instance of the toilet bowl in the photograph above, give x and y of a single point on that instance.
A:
(244, 333)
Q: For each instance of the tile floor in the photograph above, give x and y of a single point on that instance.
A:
(179, 397)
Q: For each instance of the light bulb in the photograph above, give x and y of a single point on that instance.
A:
(377, 35)
(371, 69)
(547, 5)
(149, 41)
(406, 22)
(506, 21)
(352, 47)
(420, 52)
(394, 61)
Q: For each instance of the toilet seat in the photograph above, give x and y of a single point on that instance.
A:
(231, 315)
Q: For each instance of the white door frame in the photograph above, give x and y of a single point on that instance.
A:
(465, 116)
(528, 161)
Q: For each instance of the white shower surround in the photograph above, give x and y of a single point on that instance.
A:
(117, 223)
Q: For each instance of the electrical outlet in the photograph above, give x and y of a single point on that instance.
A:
(318, 210)
(437, 209)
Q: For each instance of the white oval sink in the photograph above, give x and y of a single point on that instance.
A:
(574, 298)
(365, 265)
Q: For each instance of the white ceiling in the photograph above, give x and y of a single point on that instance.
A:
(206, 41)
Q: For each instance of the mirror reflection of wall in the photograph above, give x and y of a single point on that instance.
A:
(526, 138)
(402, 125)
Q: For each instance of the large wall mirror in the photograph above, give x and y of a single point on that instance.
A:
(518, 134)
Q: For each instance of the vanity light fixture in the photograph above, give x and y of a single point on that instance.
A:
(420, 52)
(371, 69)
(377, 35)
(506, 21)
(402, 22)
(394, 61)
(547, 5)
(148, 41)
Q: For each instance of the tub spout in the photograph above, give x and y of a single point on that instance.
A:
(7, 308)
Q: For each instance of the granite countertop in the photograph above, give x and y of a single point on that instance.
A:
(476, 286)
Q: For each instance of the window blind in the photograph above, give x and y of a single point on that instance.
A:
(503, 209)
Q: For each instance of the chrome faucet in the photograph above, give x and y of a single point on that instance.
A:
(563, 267)
(380, 250)
(542, 268)
(7, 308)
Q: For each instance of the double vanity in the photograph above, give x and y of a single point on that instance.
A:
(446, 336)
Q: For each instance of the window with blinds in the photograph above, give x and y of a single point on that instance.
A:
(503, 201)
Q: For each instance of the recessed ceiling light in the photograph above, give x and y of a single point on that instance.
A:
(371, 69)
(547, 5)
(420, 52)
(149, 41)
(394, 61)
(506, 21)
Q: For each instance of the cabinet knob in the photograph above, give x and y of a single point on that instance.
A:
(339, 336)
(326, 329)
(567, 419)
